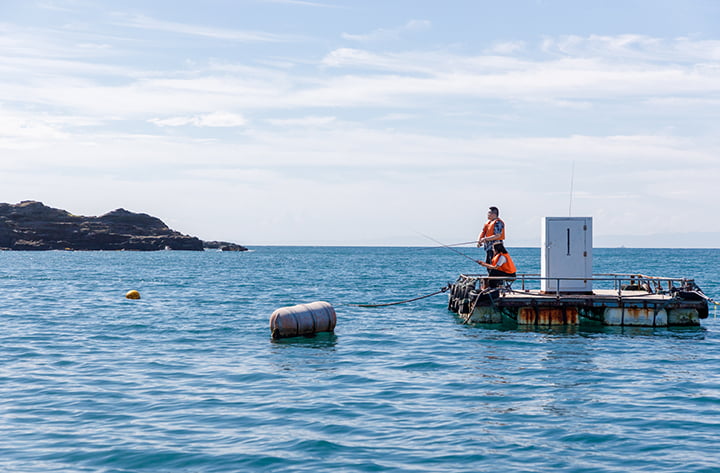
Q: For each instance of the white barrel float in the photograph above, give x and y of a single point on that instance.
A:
(303, 319)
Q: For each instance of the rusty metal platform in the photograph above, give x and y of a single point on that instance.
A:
(632, 300)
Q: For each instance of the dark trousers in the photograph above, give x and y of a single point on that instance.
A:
(489, 255)
(500, 274)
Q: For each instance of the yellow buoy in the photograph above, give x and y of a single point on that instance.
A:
(132, 295)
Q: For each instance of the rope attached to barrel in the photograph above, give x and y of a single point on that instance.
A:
(444, 289)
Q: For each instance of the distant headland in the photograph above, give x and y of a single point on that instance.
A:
(32, 225)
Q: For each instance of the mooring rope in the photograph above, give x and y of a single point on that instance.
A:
(444, 289)
(711, 301)
(477, 299)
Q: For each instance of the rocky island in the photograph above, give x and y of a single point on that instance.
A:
(31, 225)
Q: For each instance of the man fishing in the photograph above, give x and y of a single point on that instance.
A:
(493, 232)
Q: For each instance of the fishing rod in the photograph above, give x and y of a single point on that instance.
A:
(451, 244)
(450, 248)
(443, 289)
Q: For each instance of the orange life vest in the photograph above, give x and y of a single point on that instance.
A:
(489, 230)
(508, 266)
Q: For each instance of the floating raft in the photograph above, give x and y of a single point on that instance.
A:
(629, 300)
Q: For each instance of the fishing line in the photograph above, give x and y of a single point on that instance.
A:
(450, 248)
(444, 289)
(451, 244)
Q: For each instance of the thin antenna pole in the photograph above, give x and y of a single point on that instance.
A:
(572, 179)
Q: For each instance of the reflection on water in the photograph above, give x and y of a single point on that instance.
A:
(318, 340)
(694, 332)
(591, 329)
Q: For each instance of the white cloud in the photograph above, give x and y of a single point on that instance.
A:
(146, 22)
(359, 178)
(403, 80)
(635, 47)
(303, 3)
(310, 121)
(581, 77)
(398, 117)
(28, 131)
(389, 34)
(212, 120)
(506, 48)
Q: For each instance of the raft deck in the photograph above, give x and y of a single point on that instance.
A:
(626, 299)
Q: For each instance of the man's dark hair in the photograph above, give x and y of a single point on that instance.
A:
(495, 211)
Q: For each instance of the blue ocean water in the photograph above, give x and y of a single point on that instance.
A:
(187, 379)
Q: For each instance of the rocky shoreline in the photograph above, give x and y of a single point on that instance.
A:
(31, 225)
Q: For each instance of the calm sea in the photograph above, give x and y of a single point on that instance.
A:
(187, 379)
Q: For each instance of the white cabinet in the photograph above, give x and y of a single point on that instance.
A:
(566, 252)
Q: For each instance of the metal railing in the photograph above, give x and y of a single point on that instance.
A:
(618, 282)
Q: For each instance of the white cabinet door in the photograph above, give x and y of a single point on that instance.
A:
(567, 253)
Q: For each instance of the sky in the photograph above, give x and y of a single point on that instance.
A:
(320, 122)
